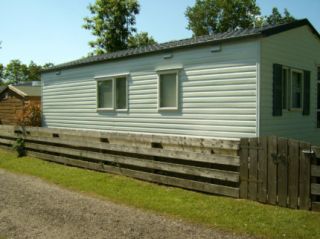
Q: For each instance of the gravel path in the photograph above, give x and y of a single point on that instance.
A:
(32, 208)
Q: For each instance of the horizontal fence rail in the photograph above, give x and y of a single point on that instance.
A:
(200, 164)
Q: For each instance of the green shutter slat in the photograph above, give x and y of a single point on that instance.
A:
(277, 90)
(306, 93)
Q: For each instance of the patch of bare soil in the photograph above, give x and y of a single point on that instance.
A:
(32, 208)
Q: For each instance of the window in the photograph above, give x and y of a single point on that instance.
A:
(168, 90)
(296, 89)
(121, 93)
(105, 98)
(291, 90)
(318, 98)
(112, 93)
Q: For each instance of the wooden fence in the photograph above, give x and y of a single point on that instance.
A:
(271, 170)
(278, 171)
(199, 164)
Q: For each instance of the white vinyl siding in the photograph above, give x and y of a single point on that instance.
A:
(297, 49)
(217, 94)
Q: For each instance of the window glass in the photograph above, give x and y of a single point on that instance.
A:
(285, 80)
(168, 90)
(296, 90)
(121, 93)
(105, 96)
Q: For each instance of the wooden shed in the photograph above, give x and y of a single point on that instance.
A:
(242, 83)
(14, 98)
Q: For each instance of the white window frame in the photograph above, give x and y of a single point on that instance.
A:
(164, 72)
(112, 78)
(291, 89)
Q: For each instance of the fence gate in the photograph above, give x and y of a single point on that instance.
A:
(278, 171)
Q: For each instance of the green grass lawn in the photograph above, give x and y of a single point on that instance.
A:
(228, 214)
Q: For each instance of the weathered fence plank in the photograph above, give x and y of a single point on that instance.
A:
(184, 183)
(244, 173)
(253, 169)
(262, 169)
(315, 170)
(272, 170)
(315, 206)
(315, 189)
(189, 156)
(282, 172)
(293, 178)
(187, 142)
(304, 176)
(315, 202)
(145, 163)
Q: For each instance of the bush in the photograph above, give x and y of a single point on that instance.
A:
(30, 115)
(19, 146)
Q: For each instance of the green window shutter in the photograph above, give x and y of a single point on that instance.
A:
(277, 90)
(306, 93)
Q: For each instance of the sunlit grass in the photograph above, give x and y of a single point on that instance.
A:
(229, 214)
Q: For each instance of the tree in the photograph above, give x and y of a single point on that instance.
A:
(15, 72)
(112, 23)
(1, 74)
(47, 65)
(212, 16)
(140, 39)
(34, 72)
(277, 18)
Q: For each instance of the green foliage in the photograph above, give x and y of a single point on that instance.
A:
(19, 146)
(277, 18)
(34, 72)
(238, 216)
(1, 74)
(112, 22)
(16, 71)
(140, 39)
(212, 16)
(47, 65)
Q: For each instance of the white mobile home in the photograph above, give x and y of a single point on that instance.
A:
(243, 83)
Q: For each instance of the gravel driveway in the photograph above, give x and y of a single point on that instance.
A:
(32, 208)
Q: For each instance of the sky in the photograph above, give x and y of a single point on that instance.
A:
(51, 30)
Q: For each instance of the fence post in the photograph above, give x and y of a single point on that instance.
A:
(304, 179)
